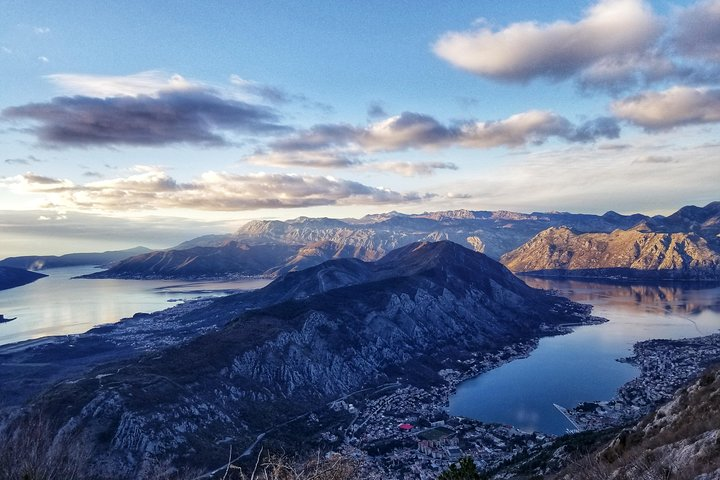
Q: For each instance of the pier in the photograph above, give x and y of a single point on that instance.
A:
(564, 411)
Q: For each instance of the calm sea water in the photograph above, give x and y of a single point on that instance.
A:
(581, 366)
(58, 304)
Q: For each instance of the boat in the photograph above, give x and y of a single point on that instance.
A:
(5, 320)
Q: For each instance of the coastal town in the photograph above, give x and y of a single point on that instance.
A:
(398, 430)
(406, 432)
(665, 366)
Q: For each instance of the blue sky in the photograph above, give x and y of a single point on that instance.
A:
(162, 120)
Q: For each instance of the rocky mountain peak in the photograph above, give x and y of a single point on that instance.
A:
(639, 252)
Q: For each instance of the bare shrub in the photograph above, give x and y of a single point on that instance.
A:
(32, 451)
(281, 467)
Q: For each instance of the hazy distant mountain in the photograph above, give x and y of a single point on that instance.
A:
(40, 262)
(328, 330)
(14, 277)
(492, 233)
(228, 260)
(704, 221)
(626, 253)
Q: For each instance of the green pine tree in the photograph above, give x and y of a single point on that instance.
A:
(465, 469)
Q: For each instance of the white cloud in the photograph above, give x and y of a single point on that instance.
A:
(646, 177)
(619, 72)
(407, 130)
(41, 30)
(149, 83)
(337, 145)
(527, 127)
(31, 182)
(523, 51)
(269, 93)
(44, 59)
(670, 108)
(310, 159)
(152, 188)
(411, 169)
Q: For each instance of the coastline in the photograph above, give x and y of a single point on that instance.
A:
(379, 418)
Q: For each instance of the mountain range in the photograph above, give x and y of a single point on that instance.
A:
(230, 259)
(684, 245)
(42, 262)
(307, 339)
(492, 233)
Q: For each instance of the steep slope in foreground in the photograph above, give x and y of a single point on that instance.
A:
(625, 253)
(348, 325)
(681, 440)
(15, 277)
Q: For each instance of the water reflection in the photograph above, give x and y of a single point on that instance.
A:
(58, 304)
(582, 366)
(691, 299)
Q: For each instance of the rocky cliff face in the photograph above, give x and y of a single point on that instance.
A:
(345, 325)
(630, 253)
(374, 235)
(680, 440)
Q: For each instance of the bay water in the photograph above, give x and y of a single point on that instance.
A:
(582, 366)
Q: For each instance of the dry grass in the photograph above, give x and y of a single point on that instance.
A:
(33, 452)
(281, 467)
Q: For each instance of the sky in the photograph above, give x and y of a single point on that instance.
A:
(135, 122)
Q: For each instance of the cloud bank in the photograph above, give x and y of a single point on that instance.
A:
(148, 83)
(674, 107)
(344, 145)
(412, 169)
(151, 188)
(176, 116)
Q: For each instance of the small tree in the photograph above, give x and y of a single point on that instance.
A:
(465, 469)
